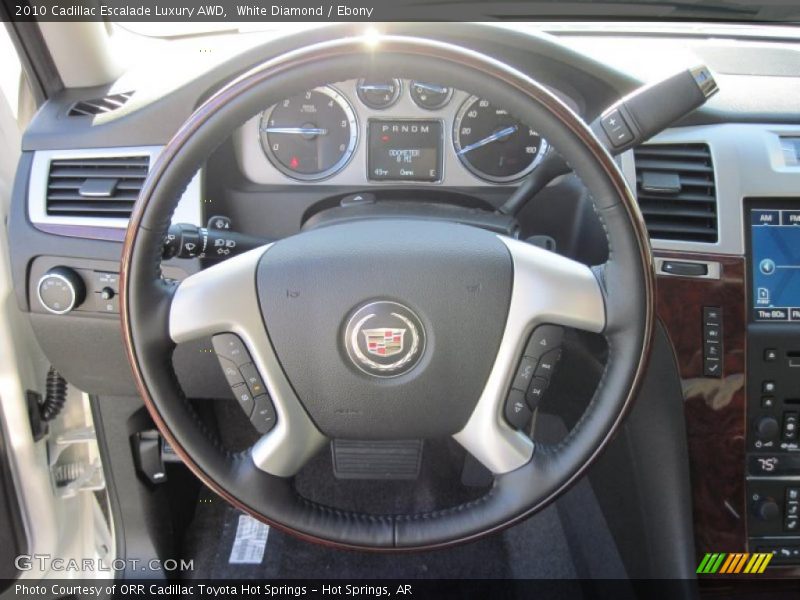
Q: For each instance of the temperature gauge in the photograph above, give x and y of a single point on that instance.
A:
(430, 96)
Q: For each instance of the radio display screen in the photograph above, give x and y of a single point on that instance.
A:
(775, 264)
(403, 150)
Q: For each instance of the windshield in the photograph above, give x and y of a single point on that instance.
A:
(261, 16)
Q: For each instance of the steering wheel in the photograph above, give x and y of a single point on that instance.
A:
(456, 304)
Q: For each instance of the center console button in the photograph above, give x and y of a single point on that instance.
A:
(767, 428)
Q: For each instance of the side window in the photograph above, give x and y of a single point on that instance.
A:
(10, 73)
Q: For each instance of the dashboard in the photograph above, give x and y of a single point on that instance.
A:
(385, 132)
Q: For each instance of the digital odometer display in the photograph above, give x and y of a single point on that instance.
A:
(401, 150)
(775, 268)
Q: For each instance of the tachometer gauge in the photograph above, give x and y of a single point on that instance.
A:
(430, 96)
(379, 93)
(310, 136)
(494, 145)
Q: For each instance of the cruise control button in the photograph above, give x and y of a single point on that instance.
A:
(263, 417)
(547, 364)
(230, 371)
(253, 379)
(544, 338)
(244, 397)
(536, 391)
(517, 412)
(524, 373)
(231, 347)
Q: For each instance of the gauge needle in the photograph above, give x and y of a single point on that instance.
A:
(488, 140)
(376, 87)
(436, 89)
(297, 130)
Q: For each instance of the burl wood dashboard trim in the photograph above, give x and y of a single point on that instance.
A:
(715, 408)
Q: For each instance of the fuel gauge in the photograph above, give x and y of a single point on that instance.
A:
(378, 94)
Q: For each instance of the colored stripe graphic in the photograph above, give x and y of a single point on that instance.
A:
(765, 562)
(734, 563)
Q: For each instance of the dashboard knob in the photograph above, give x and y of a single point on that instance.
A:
(766, 509)
(767, 428)
(61, 290)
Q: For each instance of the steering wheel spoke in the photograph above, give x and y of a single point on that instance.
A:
(548, 289)
(223, 299)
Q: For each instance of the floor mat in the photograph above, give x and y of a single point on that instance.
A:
(567, 540)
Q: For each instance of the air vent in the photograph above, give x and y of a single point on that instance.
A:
(104, 187)
(676, 192)
(99, 106)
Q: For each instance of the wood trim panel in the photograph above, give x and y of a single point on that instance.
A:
(715, 408)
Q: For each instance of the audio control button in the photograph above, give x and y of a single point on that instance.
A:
(766, 509)
(767, 428)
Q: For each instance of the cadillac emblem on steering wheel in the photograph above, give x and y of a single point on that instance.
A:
(384, 338)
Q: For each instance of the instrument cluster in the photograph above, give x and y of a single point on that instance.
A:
(390, 130)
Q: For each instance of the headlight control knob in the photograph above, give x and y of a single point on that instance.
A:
(61, 290)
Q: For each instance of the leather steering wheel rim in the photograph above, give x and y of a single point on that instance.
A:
(625, 284)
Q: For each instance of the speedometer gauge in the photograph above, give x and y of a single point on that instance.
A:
(310, 136)
(494, 145)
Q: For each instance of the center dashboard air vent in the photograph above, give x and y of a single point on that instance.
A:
(103, 187)
(676, 191)
(99, 106)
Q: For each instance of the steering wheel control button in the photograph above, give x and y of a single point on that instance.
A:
(547, 364)
(384, 339)
(517, 412)
(244, 398)
(543, 339)
(616, 128)
(228, 345)
(263, 416)
(60, 290)
(231, 371)
(525, 371)
(536, 391)
(253, 379)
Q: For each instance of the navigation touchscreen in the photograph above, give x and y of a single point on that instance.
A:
(775, 264)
